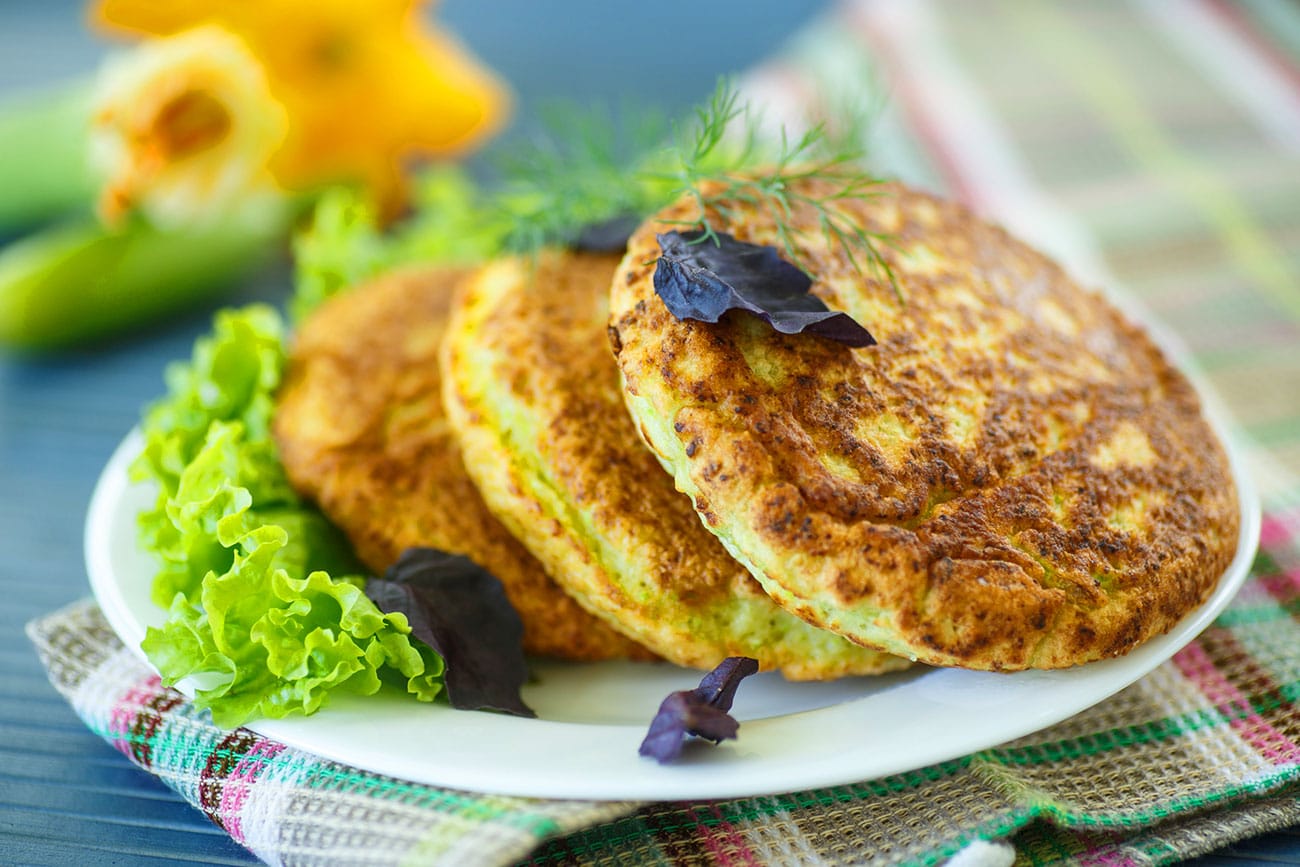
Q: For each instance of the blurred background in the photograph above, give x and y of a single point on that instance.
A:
(667, 54)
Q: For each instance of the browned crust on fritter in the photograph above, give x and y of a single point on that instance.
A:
(550, 347)
(1015, 477)
(362, 432)
(533, 391)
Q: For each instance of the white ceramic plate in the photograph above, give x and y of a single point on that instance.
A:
(592, 717)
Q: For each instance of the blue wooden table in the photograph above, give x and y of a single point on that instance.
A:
(66, 797)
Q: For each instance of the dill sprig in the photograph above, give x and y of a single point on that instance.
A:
(586, 171)
(770, 179)
(581, 169)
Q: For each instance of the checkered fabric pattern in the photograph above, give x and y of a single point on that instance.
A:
(1154, 147)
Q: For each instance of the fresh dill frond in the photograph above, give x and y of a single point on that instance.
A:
(582, 173)
(581, 169)
(723, 159)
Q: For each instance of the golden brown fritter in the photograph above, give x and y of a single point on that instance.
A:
(1014, 477)
(533, 391)
(362, 432)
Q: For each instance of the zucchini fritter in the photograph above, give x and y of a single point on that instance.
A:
(1014, 477)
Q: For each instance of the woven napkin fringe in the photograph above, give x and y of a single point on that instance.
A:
(1165, 843)
(286, 806)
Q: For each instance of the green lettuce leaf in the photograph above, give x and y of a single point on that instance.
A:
(256, 624)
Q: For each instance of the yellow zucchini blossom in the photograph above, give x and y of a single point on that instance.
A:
(364, 86)
(184, 130)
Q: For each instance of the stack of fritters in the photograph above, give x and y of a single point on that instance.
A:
(1014, 477)
(362, 432)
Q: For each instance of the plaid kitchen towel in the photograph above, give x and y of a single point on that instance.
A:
(1153, 146)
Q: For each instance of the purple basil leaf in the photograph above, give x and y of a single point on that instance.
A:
(701, 712)
(698, 279)
(680, 714)
(718, 687)
(460, 610)
(607, 236)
